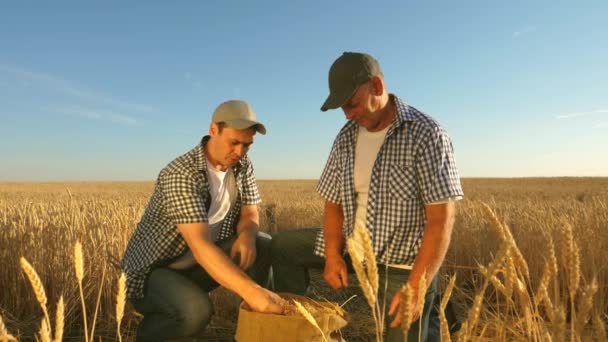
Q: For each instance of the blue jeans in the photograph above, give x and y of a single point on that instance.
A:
(176, 302)
(292, 256)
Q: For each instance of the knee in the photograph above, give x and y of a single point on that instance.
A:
(194, 316)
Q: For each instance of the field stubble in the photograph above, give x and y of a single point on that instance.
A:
(43, 221)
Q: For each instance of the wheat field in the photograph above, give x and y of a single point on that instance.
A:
(42, 222)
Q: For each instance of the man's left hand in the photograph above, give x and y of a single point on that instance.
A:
(244, 246)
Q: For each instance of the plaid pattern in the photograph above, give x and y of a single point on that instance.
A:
(180, 195)
(415, 166)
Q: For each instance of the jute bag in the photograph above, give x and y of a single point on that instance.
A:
(254, 326)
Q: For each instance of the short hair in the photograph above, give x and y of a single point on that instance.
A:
(220, 126)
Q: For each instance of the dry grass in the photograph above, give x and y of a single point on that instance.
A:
(42, 222)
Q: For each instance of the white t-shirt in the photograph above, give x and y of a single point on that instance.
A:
(222, 188)
(366, 151)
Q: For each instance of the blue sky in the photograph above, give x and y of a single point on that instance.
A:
(115, 90)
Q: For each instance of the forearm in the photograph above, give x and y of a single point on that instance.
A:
(249, 221)
(332, 229)
(434, 246)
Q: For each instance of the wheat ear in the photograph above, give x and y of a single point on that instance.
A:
(34, 279)
(405, 307)
(600, 328)
(421, 300)
(370, 258)
(445, 328)
(584, 313)
(45, 332)
(79, 268)
(4, 335)
(121, 298)
(59, 320)
(308, 316)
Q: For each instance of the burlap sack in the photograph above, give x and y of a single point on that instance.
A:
(255, 326)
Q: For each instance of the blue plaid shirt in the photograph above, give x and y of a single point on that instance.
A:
(415, 166)
(181, 195)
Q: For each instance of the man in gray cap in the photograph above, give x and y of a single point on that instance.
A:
(391, 171)
(199, 231)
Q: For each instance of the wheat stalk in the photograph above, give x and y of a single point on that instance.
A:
(37, 286)
(308, 316)
(121, 298)
(59, 320)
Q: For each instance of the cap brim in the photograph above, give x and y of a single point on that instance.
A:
(335, 99)
(244, 124)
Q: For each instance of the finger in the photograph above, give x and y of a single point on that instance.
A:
(246, 263)
(394, 304)
(233, 251)
(343, 277)
(396, 321)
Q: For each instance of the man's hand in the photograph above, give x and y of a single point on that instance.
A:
(335, 273)
(396, 304)
(244, 246)
(261, 300)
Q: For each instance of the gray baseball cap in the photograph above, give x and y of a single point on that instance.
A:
(347, 73)
(237, 114)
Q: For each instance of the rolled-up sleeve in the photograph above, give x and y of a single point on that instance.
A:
(250, 194)
(184, 201)
(437, 172)
(328, 183)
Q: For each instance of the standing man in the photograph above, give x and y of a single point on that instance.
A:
(200, 230)
(391, 171)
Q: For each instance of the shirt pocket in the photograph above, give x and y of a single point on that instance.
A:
(402, 182)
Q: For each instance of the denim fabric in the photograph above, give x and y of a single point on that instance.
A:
(176, 302)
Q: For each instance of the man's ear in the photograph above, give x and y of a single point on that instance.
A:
(377, 85)
(213, 129)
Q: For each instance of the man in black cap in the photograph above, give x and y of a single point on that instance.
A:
(391, 171)
(200, 230)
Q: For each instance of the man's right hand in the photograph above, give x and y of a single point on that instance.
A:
(335, 273)
(262, 300)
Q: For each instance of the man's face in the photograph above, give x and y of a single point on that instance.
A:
(363, 108)
(230, 145)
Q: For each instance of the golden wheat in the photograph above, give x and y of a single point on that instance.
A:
(37, 286)
(121, 297)
(79, 270)
(59, 320)
(308, 316)
(444, 327)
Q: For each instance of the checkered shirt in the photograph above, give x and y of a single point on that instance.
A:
(415, 166)
(181, 195)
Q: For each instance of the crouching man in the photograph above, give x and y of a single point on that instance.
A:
(200, 231)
